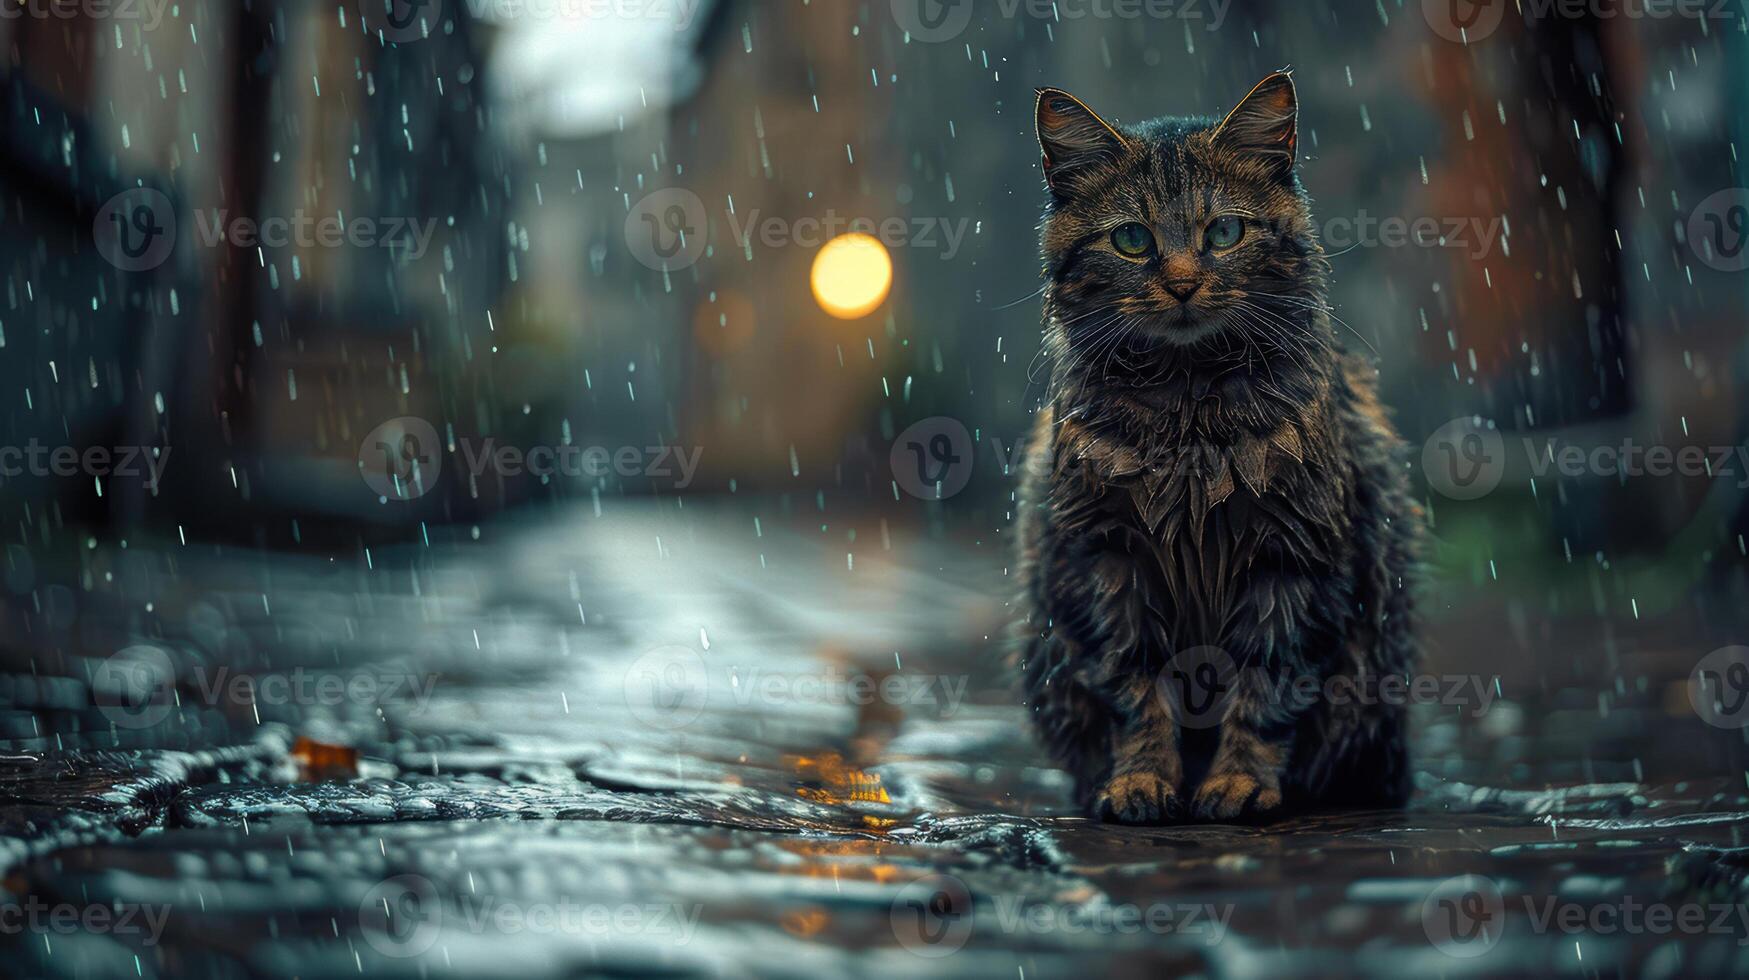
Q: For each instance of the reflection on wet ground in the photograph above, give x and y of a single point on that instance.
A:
(688, 742)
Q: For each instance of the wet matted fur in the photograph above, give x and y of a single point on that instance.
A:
(1211, 476)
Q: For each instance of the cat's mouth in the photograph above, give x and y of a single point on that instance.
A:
(1180, 325)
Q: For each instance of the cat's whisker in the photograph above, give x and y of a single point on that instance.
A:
(1301, 345)
(1298, 336)
(1112, 331)
(1035, 294)
(1117, 343)
(1228, 317)
(1327, 311)
(1092, 338)
(1043, 353)
(1294, 332)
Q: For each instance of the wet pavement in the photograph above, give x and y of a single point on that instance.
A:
(698, 741)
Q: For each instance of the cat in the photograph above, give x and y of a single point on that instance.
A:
(1217, 537)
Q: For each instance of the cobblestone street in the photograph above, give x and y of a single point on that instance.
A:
(678, 741)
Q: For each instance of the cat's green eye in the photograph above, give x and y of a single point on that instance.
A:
(1133, 239)
(1225, 231)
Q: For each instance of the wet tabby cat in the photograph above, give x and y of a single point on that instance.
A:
(1216, 535)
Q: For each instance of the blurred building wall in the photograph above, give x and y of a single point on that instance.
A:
(531, 321)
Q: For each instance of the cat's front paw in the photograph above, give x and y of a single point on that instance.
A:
(1138, 798)
(1228, 795)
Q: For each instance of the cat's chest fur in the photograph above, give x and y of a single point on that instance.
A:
(1200, 526)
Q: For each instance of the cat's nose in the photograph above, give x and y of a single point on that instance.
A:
(1183, 289)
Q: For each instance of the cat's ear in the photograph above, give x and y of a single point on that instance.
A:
(1074, 138)
(1266, 124)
